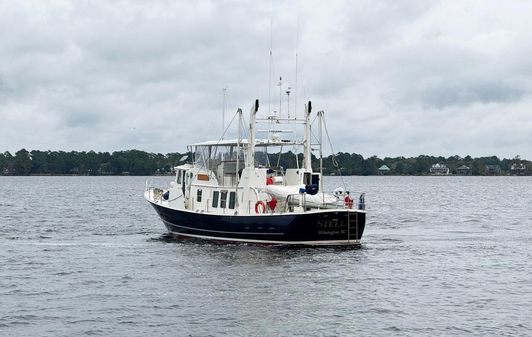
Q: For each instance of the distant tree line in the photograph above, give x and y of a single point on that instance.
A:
(131, 162)
(135, 162)
(355, 164)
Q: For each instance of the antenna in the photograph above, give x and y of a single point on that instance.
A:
(288, 100)
(224, 91)
(280, 94)
(297, 50)
(270, 76)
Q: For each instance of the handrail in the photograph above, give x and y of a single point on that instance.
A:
(256, 192)
(148, 185)
(348, 227)
(291, 198)
(179, 196)
(303, 201)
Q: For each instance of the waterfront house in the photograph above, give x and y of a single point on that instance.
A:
(439, 170)
(463, 170)
(518, 169)
(492, 170)
(384, 170)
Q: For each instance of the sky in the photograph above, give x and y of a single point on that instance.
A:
(394, 78)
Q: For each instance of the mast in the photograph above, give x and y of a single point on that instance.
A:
(307, 164)
(320, 114)
(250, 162)
(239, 112)
(270, 77)
(297, 56)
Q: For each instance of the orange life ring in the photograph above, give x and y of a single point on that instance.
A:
(260, 203)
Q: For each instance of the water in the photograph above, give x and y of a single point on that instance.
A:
(440, 256)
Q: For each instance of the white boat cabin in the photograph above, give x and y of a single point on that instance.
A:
(218, 182)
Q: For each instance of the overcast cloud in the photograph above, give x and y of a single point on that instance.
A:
(393, 77)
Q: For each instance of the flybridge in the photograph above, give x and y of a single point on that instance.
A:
(242, 149)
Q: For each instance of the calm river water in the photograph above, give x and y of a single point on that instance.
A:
(441, 256)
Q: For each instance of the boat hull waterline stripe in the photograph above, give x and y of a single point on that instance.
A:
(306, 243)
(222, 232)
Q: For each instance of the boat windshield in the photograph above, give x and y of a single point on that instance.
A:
(261, 157)
(210, 156)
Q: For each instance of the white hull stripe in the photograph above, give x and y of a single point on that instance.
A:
(308, 243)
(224, 232)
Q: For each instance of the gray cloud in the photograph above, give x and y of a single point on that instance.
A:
(464, 94)
(395, 78)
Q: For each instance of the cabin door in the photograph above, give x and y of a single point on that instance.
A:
(182, 174)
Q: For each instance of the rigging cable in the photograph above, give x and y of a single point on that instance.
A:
(333, 156)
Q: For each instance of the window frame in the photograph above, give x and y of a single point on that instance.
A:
(199, 194)
(223, 199)
(232, 200)
(215, 198)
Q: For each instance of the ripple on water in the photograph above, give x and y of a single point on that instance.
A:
(439, 257)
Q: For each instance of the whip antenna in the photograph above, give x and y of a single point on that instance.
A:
(270, 75)
(297, 56)
(224, 92)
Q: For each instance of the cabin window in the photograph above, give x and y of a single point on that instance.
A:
(223, 199)
(178, 180)
(306, 178)
(198, 195)
(232, 200)
(215, 196)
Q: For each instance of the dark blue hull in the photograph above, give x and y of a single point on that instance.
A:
(328, 227)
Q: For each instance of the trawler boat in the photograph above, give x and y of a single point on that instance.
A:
(229, 191)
